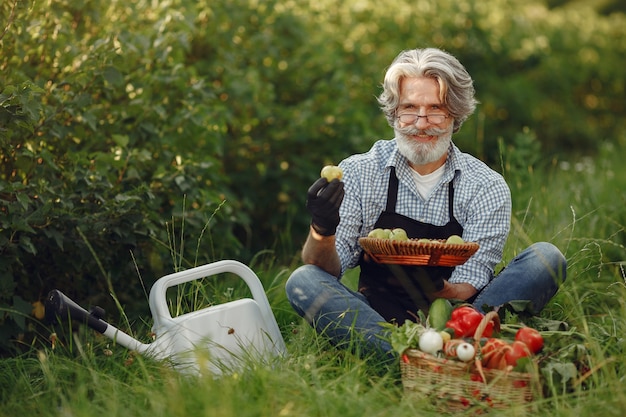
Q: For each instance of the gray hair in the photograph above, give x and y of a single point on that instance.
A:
(456, 87)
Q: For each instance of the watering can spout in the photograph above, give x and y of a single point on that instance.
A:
(58, 305)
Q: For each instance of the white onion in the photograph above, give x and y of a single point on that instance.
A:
(431, 342)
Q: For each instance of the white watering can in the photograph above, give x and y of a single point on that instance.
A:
(221, 338)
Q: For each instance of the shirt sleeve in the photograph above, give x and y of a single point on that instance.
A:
(351, 219)
(487, 222)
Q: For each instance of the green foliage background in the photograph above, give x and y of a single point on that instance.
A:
(139, 137)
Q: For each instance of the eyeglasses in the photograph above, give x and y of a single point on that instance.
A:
(435, 119)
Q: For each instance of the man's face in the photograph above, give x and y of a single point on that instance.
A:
(424, 141)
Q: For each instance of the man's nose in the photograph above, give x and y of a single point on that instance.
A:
(422, 121)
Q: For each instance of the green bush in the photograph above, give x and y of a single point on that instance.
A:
(97, 157)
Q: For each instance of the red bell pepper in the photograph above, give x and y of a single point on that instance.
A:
(465, 319)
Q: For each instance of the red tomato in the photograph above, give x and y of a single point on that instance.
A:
(531, 337)
(518, 350)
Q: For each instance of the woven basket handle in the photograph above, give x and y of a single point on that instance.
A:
(492, 315)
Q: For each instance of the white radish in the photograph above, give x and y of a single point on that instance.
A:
(465, 352)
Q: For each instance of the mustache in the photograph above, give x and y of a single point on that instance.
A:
(412, 130)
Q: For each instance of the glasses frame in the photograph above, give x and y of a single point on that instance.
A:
(415, 117)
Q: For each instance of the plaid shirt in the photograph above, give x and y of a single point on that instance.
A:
(482, 205)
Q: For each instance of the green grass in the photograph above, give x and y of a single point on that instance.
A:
(578, 206)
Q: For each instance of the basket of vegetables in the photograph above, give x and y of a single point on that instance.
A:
(392, 246)
(466, 364)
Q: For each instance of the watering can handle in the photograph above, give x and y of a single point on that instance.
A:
(158, 302)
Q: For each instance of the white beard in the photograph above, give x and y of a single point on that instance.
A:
(422, 153)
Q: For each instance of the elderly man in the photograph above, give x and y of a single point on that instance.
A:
(421, 182)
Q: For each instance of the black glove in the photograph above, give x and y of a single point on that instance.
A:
(323, 201)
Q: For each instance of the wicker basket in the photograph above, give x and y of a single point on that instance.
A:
(414, 252)
(460, 385)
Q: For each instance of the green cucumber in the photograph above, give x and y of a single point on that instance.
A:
(439, 313)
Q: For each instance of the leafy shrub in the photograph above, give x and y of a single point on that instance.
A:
(93, 166)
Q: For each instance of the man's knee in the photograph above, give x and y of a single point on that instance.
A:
(552, 258)
(299, 279)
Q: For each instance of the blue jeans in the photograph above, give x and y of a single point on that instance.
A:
(346, 318)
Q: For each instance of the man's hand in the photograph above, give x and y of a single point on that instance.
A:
(323, 201)
(461, 291)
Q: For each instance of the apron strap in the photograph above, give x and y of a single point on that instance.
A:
(451, 202)
(392, 193)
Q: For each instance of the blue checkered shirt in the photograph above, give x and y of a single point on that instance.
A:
(482, 205)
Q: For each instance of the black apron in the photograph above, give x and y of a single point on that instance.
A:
(397, 292)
